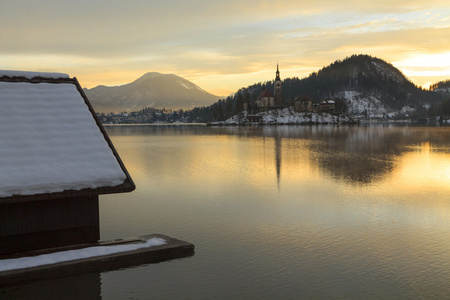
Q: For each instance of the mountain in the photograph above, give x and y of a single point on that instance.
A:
(366, 84)
(151, 90)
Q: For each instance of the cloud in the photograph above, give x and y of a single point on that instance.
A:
(98, 28)
(237, 39)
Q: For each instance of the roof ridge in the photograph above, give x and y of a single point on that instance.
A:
(31, 75)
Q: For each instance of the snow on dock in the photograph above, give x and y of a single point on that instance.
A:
(66, 261)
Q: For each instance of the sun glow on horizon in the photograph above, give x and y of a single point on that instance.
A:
(422, 69)
(425, 69)
(225, 46)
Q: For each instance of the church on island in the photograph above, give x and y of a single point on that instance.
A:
(269, 101)
(266, 100)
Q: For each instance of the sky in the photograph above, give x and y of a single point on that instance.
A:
(221, 45)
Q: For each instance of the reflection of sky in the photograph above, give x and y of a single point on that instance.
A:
(423, 170)
(218, 188)
(358, 155)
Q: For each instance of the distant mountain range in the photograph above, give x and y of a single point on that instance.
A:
(151, 90)
(366, 84)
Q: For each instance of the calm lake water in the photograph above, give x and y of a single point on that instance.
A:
(280, 212)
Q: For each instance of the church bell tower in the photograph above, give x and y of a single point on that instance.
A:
(278, 96)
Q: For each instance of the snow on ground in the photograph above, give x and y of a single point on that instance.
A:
(289, 116)
(70, 255)
(387, 73)
(49, 141)
(407, 110)
(358, 103)
(183, 85)
(442, 90)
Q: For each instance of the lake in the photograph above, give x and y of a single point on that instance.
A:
(278, 212)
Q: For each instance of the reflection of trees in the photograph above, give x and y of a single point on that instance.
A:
(354, 167)
(139, 130)
(359, 154)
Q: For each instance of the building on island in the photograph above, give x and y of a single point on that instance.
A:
(56, 159)
(266, 100)
(269, 101)
(303, 103)
(327, 106)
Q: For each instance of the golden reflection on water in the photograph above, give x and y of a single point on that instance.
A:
(423, 167)
(355, 210)
(275, 212)
(274, 155)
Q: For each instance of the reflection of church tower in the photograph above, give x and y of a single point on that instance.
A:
(278, 156)
(278, 96)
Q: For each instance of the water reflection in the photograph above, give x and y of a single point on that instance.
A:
(424, 166)
(288, 211)
(284, 212)
(85, 286)
(278, 151)
(355, 155)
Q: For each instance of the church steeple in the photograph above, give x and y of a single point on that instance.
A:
(278, 95)
(277, 78)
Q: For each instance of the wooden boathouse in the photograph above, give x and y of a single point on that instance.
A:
(55, 161)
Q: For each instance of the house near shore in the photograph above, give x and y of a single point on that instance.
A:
(303, 104)
(56, 159)
(327, 106)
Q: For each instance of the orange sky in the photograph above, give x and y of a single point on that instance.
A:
(221, 45)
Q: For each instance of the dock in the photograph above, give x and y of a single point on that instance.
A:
(139, 254)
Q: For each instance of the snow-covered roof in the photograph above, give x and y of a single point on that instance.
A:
(30, 75)
(303, 98)
(50, 141)
(327, 102)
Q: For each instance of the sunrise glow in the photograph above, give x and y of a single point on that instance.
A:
(221, 47)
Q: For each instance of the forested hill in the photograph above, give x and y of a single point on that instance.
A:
(368, 76)
(441, 86)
